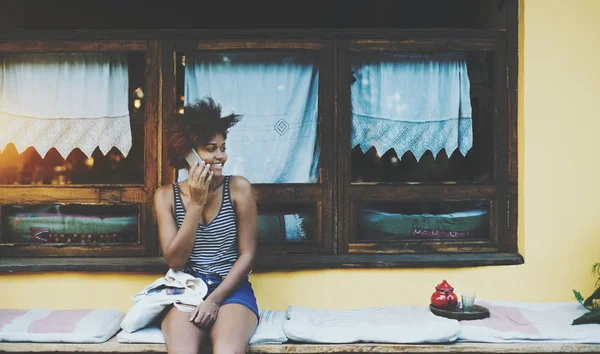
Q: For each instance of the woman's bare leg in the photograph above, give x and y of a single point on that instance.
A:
(233, 329)
(181, 335)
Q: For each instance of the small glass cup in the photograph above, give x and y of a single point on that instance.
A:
(467, 300)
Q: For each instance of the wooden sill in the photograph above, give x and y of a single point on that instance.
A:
(89, 264)
(264, 263)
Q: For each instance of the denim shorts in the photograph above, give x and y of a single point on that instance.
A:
(243, 294)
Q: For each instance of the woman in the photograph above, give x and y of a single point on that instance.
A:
(207, 227)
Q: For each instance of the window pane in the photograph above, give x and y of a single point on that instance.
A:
(422, 117)
(66, 116)
(276, 92)
(455, 220)
(279, 223)
(69, 224)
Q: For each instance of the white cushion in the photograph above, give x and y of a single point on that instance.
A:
(151, 334)
(528, 322)
(406, 324)
(63, 326)
(269, 331)
(270, 328)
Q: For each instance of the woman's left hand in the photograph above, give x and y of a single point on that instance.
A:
(205, 314)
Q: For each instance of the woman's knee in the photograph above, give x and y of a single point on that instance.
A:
(181, 336)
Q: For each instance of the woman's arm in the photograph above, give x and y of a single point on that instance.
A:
(177, 244)
(247, 225)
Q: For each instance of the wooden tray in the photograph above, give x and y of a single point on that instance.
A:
(477, 313)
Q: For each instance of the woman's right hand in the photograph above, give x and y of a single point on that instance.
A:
(205, 314)
(199, 180)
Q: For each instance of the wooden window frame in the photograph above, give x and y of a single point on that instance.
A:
(501, 248)
(337, 249)
(350, 193)
(319, 194)
(335, 192)
(96, 194)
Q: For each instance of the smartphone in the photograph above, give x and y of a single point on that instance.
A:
(193, 157)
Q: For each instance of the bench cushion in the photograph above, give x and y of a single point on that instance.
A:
(65, 326)
(527, 322)
(270, 328)
(402, 324)
(150, 334)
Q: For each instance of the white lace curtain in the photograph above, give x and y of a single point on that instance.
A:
(277, 94)
(411, 102)
(65, 101)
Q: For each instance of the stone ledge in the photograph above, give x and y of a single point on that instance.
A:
(112, 346)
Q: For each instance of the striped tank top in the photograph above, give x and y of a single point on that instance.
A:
(216, 246)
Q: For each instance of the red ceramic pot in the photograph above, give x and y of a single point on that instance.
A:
(444, 297)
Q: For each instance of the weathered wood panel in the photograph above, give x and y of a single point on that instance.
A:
(258, 45)
(70, 250)
(73, 46)
(394, 247)
(425, 45)
(407, 192)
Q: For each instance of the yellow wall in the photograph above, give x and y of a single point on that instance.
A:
(559, 212)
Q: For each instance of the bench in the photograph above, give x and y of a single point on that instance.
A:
(410, 324)
(112, 346)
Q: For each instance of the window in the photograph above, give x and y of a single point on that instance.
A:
(72, 149)
(422, 148)
(77, 171)
(281, 143)
(392, 142)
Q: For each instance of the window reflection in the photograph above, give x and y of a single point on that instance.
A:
(455, 220)
(69, 224)
(286, 223)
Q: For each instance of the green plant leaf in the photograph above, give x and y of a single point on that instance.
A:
(590, 317)
(589, 302)
(578, 296)
(596, 271)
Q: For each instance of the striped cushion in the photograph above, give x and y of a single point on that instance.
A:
(65, 326)
(270, 328)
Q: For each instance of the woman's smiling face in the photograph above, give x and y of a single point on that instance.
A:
(213, 153)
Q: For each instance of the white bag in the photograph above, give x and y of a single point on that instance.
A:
(174, 288)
